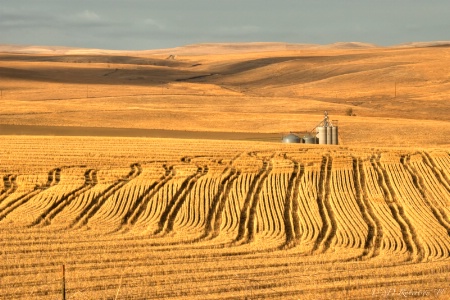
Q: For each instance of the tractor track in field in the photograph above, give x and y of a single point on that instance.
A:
(10, 186)
(53, 179)
(46, 217)
(212, 229)
(290, 216)
(441, 177)
(143, 201)
(329, 227)
(96, 203)
(248, 213)
(167, 220)
(295, 205)
(408, 233)
(420, 186)
(213, 219)
(221, 203)
(375, 232)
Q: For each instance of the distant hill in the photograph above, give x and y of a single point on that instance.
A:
(194, 49)
(207, 48)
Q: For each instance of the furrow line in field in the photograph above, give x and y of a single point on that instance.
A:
(98, 201)
(281, 191)
(435, 187)
(329, 226)
(210, 276)
(9, 186)
(157, 204)
(421, 187)
(226, 197)
(214, 216)
(375, 232)
(217, 225)
(405, 237)
(248, 213)
(294, 194)
(46, 217)
(309, 220)
(141, 204)
(231, 288)
(441, 163)
(116, 205)
(244, 214)
(290, 214)
(437, 171)
(432, 234)
(180, 265)
(351, 230)
(167, 219)
(392, 236)
(270, 208)
(230, 218)
(192, 212)
(206, 284)
(52, 179)
(409, 233)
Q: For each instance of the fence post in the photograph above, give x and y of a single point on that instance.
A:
(63, 287)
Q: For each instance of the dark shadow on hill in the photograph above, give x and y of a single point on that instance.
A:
(7, 129)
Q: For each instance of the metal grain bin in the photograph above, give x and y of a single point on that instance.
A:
(329, 136)
(291, 138)
(322, 135)
(309, 139)
(334, 135)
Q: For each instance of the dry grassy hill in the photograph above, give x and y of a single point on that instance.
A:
(252, 88)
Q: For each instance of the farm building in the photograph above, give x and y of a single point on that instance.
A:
(326, 133)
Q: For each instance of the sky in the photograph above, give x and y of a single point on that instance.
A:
(157, 24)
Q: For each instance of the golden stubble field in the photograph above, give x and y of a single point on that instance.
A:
(154, 218)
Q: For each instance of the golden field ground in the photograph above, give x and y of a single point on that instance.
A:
(153, 217)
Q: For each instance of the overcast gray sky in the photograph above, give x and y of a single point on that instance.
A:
(155, 24)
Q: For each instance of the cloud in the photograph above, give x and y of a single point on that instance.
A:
(16, 18)
(88, 15)
(140, 24)
(153, 23)
(84, 18)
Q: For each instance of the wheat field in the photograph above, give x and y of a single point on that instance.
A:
(223, 220)
(160, 174)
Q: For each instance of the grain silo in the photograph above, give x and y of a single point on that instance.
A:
(322, 134)
(327, 132)
(329, 135)
(334, 133)
(309, 139)
(291, 138)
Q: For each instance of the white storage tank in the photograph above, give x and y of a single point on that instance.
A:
(334, 135)
(322, 135)
(329, 136)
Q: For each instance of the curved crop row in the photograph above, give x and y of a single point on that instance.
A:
(432, 240)
(392, 240)
(270, 208)
(351, 230)
(310, 213)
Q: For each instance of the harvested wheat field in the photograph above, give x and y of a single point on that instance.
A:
(160, 174)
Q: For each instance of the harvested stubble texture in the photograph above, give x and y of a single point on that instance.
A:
(138, 218)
